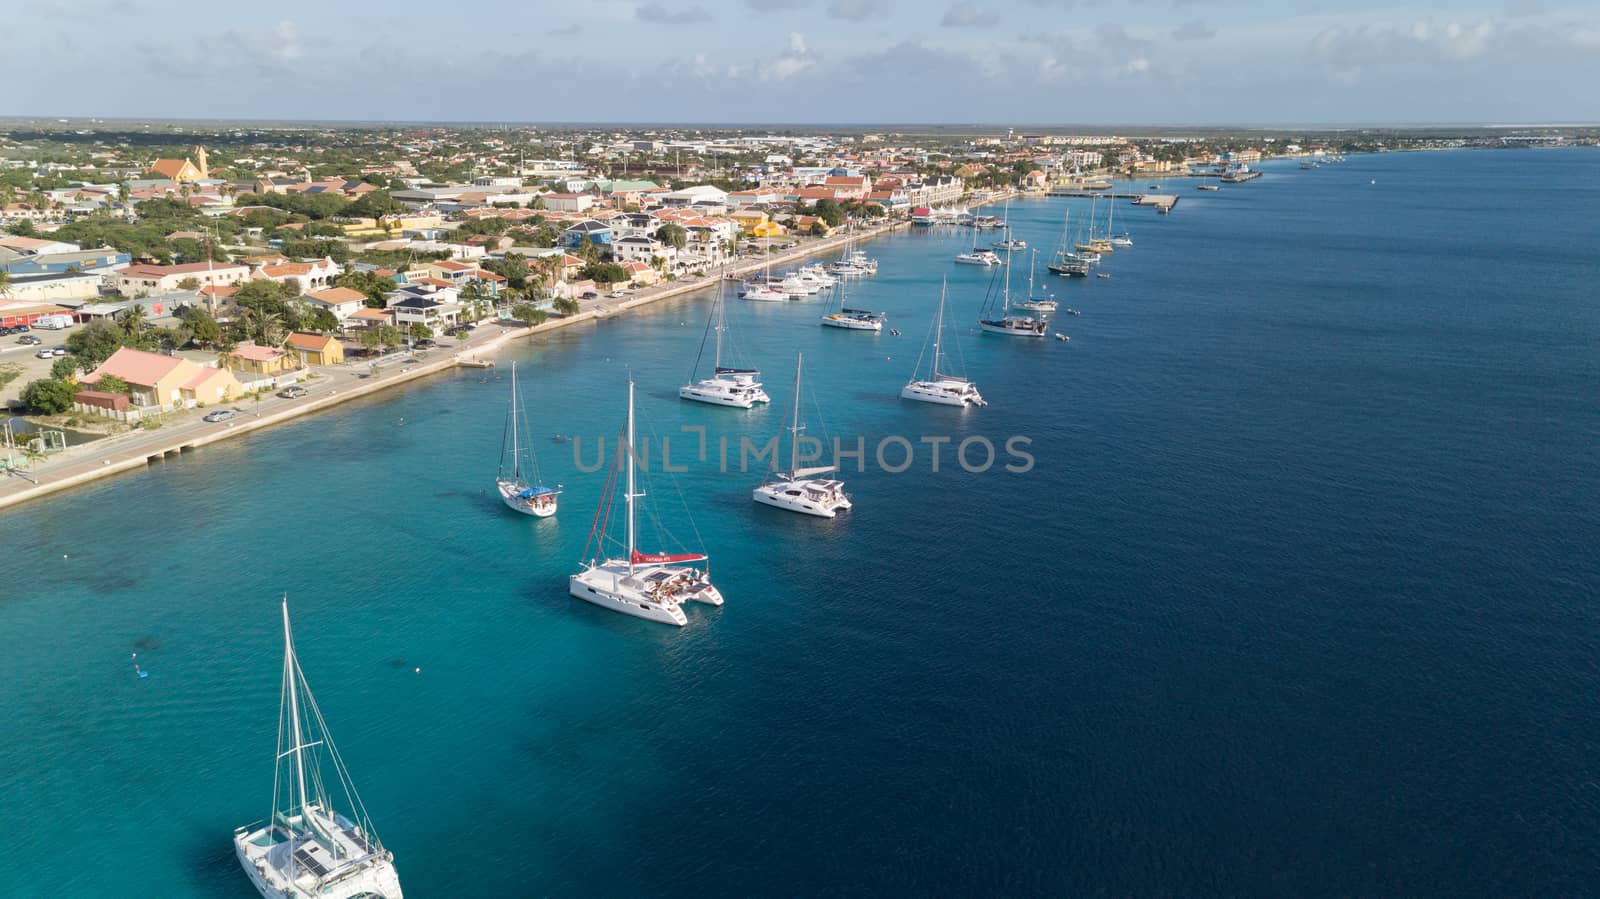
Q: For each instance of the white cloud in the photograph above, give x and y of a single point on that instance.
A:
(969, 15)
(795, 59)
(858, 10)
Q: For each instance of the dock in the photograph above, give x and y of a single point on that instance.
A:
(1163, 203)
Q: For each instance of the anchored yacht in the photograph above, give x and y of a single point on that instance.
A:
(799, 489)
(737, 387)
(308, 850)
(653, 586)
(519, 494)
(946, 390)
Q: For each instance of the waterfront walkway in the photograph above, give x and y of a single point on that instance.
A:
(186, 431)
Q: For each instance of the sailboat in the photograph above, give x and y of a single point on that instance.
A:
(1009, 242)
(1035, 303)
(853, 319)
(307, 848)
(645, 585)
(1112, 237)
(799, 489)
(518, 494)
(1066, 262)
(977, 256)
(1005, 322)
(944, 389)
(726, 386)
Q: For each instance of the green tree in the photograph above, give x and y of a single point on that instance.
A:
(567, 306)
(604, 273)
(5, 283)
(94, 343)
(529, 314)
(190, 283)
(65, 368)
(374, 288)
(375, 204)
(319, 318)
(388, 336)
(112, 384)
(420, 331)
(831, 212)
(203, 329)
(673, 235)
(48, 397)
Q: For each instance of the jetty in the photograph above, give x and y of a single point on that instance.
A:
(1163, 203)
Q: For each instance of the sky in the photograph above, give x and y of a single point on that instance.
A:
(1019, 62)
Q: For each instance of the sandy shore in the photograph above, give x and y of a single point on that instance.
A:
(138, 449)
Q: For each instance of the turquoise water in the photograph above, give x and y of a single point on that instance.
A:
(1299, 597)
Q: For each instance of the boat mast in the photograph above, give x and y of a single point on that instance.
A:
(716, 362)
(294, 709)
(938, 331)
(630, 494)
(794, 429)
(516, 446)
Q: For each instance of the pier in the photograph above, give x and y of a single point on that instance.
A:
(1163, 203)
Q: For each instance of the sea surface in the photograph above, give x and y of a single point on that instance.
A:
(1298, 598)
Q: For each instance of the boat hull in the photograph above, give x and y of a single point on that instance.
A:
(612, 586)
(851, 324)
(715, 397)
(993, 327)
(542, 506)
(378, 879)
(939, 394)
(791, 497)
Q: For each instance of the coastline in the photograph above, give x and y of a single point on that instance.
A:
(85, 464)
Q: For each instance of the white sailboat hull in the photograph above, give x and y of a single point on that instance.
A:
(804, 497)
(542, 506)
(943, 392)
(611, 586)
(376, 877)
(1035, 329)
(850, 324)
(717, 393)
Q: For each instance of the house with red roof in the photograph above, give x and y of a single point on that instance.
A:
(159, 383)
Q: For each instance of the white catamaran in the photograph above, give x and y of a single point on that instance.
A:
(644, 585)
(799, 489)
(737, 387)
(852, 319)
(516, 491)
(306, 848)
(947, 390)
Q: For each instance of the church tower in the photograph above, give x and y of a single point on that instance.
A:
(200, 163)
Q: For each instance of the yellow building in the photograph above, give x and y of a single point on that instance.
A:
(182, 169)
(316, 349)
(755, 223)
(159, 382)
(261, 360)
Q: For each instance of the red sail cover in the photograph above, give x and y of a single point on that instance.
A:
(640, 558)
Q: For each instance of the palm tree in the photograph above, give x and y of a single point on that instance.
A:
(132, 323)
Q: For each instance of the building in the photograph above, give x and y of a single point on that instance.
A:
(598, 233)
(698, 195)
(255, 359)
(142, 278)
(314, 275)
(159, 383)
(568, 202)
(180, 170)
(341, 301)
(316, 349)
(640, 248)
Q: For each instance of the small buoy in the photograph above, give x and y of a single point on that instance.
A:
(418, 670)
(63, 555)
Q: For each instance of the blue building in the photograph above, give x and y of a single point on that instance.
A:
(599, 234)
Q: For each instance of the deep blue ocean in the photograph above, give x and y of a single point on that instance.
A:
(1300, 597)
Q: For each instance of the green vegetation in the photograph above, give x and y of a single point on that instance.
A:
(48, 397)
(9, 371)
(604, 273)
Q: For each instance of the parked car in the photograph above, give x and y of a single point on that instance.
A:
(617, 293)
(426, 343)
(29, 340)
(590, 295)
(58, 350)
(293, 392)
(219, 415)
(44, 353)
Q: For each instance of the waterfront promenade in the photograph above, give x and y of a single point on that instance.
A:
(185, 432)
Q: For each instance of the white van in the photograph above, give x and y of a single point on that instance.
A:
(53, 322)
